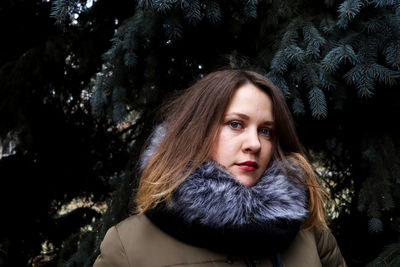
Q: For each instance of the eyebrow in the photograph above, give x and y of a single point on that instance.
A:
(245, 117)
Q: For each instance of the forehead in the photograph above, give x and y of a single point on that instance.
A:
(251, 101)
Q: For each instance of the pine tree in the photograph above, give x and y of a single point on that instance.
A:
(59, 154)
(335, 62)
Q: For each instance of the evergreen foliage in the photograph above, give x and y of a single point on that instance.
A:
(62, 10)
(318, 59)
(336, 63)
(353, 51)
(378, 195)
(390, 256)
(61, 154)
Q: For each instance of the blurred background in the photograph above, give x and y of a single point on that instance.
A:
(80, 82)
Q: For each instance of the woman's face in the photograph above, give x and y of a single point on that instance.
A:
(244, 143)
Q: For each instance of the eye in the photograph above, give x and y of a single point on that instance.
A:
(265, 131)
(235, 124)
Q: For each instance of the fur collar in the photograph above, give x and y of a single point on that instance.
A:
(155, 140)
(212, 196)
(212, 209)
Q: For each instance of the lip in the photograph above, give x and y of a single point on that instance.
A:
(248, 165)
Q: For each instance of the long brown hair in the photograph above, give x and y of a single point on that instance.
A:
(193, 120)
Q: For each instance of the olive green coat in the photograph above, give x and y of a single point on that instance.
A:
(137, 242)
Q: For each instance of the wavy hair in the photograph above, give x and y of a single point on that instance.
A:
(193, 120)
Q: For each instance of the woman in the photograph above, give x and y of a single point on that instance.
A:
(225, 182)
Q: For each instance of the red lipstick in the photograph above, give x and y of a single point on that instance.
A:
(248, 165)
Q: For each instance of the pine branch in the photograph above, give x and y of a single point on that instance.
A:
(162, 6)
(337, 56)
(327, 25)
(291, 35)
(392, 54)
(146, 4)
(317, 102)
(280, 83)
(383, 3)
(360, 76)
(375, 225)
(326, 81)
(377, 25)
(363, 74)
(282, 59)
(313, 39)
(295, 54)
(348, 10)
(279, 63)
(390, 256)
(173, 28)
(298, 106)
(192, 11)
(61, 10)
(310, 76)
(250, 9)
(213, 11)
(383, 74)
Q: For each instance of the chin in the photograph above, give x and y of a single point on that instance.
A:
(247, 181)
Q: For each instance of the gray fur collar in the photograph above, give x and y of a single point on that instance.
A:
(154, 141)
(212, 209)
(212, 196)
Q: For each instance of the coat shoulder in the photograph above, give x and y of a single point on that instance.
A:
(121, 242)
(139, 240)
(136, 240)
(328, 248)
(313, 247)
(112, 250)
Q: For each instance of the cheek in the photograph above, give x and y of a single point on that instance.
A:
(221, 147)
(268, 151)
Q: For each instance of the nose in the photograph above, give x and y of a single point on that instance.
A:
(251, 142)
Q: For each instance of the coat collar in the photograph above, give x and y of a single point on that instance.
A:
(212, 209)
(212, 196)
